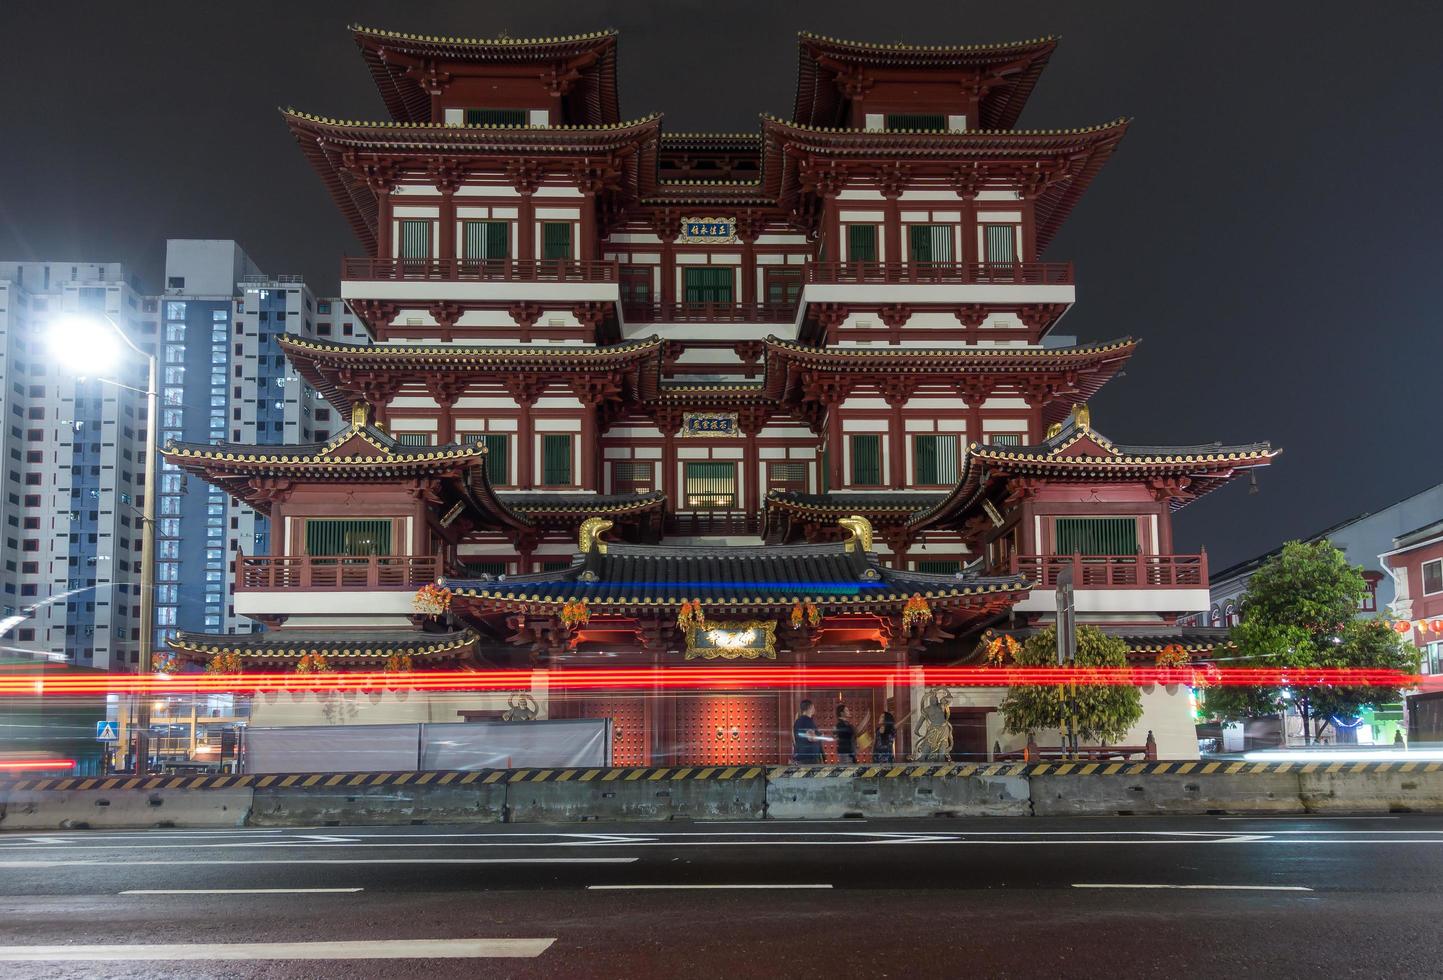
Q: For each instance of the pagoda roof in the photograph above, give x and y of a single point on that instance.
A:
(355, 648)
(1086, 367)
(393, 58)
(341, 149)
(539, 505)
(1064, 160)
(1011, 67)
(1078, 454)
(1143, 642)
(326, 365)
(786, 511)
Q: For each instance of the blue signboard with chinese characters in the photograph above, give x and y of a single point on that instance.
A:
(708, 231)
(709, 424)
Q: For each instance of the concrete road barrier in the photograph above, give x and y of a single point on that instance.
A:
(676, 793)
(282, 806)
(1100, 794)
(1339, 790)
(833, 792)
(97, 809)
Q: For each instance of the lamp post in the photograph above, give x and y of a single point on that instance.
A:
(91, 346)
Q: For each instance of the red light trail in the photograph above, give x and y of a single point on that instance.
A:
(703, 678)
(35, 765)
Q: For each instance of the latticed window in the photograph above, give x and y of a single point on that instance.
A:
(939, 567)
(497, 117)
(474, 568)
(708, 284)
(711, 486)
(632, 477)
(556, 239)
(486, 239)
(498, 455)
(935, 122)
(935, 459)
(326, 536)
(1005, 439)
(1000, 242)
(787, 476)
(556, 461)
(636, 284)
(1095, 536)
(415, 239)
(414, 438)
(866, 459)
(861, 243)
(930, 243)
(783, 286)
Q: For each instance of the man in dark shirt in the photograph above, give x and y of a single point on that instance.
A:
(846, 738)
(806, 743)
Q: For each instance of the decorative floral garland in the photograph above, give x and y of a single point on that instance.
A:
(431, 600)
(916, 612)
(313, 663)
(1002, 649)
(575, 613)
(398, 663)
(220, 663)
(1173, 655)
(805, 612)
(690, 616)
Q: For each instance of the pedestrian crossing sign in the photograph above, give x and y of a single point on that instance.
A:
(105, 731)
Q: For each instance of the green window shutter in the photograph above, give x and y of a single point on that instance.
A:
(708, 285)
(325, 536)
(556, 240)
(497, 117)
(498, 458)
(1095, 536)
(711, 486)
(414, 438)
(1001, 244)
(930, 243)
(934, 122)
(415, 239)
(937, 567)
(475, 568)
(861, 243)
(867, 461)
(1004, 439)
(486, 239)
(556, 461)
(936, 460)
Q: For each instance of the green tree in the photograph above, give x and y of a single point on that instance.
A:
(1300, 610)
(1102, 713)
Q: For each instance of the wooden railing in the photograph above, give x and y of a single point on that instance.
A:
(360, 573)
(709, 312)
(953, 273)
(1116, 571)
(707, 522)
(480, 270)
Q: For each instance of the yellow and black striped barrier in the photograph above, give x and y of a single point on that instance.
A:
(901, 770)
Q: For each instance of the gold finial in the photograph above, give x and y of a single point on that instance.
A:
(861, 531)
(1054, 430)
(358, 415)
(590, 534)
(1082, 416)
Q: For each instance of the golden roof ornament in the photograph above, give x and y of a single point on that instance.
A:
(1054, 430)
(590, 535)
(1082, 417)
(358, 415)
(861, 530)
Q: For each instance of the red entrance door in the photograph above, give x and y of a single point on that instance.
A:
(726, 729)
(628, 720)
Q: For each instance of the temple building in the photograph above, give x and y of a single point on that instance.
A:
(673, 399)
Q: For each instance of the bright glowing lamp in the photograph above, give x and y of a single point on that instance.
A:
(86, 346)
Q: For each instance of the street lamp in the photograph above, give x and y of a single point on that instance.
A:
(94, 346)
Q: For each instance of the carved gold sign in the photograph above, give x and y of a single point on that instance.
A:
(709, 424)
(708, 231)
(753, 639)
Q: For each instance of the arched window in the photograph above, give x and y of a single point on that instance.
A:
(1231, 617)
(1215, 617)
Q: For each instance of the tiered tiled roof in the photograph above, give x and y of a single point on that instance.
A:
(787, 512)
(352, 648)
(1144, 643)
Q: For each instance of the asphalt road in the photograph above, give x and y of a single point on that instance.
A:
(1093, 897)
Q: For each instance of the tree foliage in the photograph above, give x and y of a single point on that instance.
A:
(1102, 713)
(1300, 610)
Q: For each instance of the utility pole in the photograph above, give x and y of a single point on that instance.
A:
(1067, 649)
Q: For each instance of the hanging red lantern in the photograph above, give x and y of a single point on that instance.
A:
(1402, 627)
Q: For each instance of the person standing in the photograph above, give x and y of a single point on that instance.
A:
(886, 738)
(846, 738)
(806, 743)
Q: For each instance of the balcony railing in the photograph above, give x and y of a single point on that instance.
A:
(1116, 571)
(358, 573)
(709, 312)
(712, 522)
(480, 270)
(943, 273)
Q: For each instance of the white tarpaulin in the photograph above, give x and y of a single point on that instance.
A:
(454, 745)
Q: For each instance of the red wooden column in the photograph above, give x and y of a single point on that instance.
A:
(383, 224)
(525, 391)
(834, 443)
(974, 391)
(447, 181)
(751, 424)
(748, 229)
(667, 226)
(587, 249)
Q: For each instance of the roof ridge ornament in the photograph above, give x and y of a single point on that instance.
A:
(359, 412)
(589, 535)
(861, 532)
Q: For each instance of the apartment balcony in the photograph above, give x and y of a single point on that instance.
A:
(479, 280)
(944, 283)
(1118, 584)
(709, 313)
(370, 588)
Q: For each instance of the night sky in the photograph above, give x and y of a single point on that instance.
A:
(1269, 226)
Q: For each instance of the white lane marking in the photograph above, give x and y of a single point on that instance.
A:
(326, 839)
(660, 888)
(43, 863)
(1209, 888)
(240, 891)
(378, 949)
